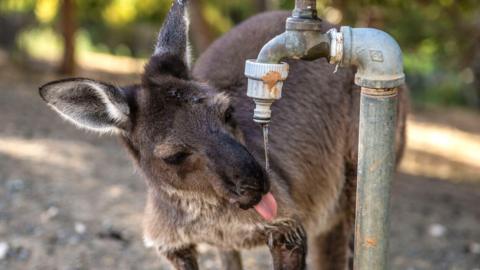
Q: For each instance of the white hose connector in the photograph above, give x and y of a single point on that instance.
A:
(265, 82)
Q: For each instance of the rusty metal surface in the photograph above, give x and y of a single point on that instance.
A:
(379, 92)
(376, 165)
(265, 82)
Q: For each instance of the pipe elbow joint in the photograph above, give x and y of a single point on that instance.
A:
(376, 55)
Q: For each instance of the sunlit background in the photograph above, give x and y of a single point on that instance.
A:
(70, 200)
(439, 38)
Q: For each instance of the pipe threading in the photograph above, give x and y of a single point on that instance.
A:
(379, 91)
(336, 46)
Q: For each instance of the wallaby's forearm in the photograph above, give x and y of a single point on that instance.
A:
(183, 259)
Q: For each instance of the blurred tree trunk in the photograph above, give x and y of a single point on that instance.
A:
(68, 26)
(202, 34)
(476, 77)
(475, 64)
(373, 18)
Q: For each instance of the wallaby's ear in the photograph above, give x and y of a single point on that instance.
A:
(172, 51)
(89, 104)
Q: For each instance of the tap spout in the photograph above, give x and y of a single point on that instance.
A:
(296, 44)
(274, 50)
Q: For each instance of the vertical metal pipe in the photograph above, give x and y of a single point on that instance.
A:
(305, 9)
(376, 165)
(305, 4)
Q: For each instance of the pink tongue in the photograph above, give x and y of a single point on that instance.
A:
(267, 207)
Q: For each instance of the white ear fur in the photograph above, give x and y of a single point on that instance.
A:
(118, 112)
(79, 124)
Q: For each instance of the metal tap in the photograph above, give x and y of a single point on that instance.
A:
(378, 60)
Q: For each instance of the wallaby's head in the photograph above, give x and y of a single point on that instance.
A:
(182, 133)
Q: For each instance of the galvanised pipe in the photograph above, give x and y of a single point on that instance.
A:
(378, 59)
(305, 9)
(376, 166)
(376, 55)
(305, 4)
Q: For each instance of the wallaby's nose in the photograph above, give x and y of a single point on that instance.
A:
(248, 200)
(243, 177)
(252, 175)
(252, 184)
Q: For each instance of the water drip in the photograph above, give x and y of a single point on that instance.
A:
(265, 145)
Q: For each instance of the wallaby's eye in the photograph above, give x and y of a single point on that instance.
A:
(177, 158)
(228, 114)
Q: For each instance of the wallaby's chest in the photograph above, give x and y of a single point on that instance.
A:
(220, 226)
(223, 233)
(202, 222)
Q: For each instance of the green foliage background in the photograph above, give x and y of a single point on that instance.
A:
(439, 38)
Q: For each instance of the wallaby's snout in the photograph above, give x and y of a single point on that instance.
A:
(243, 179)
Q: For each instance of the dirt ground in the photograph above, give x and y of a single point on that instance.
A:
(72, 200)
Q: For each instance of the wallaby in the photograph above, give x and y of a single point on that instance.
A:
(191, 133)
